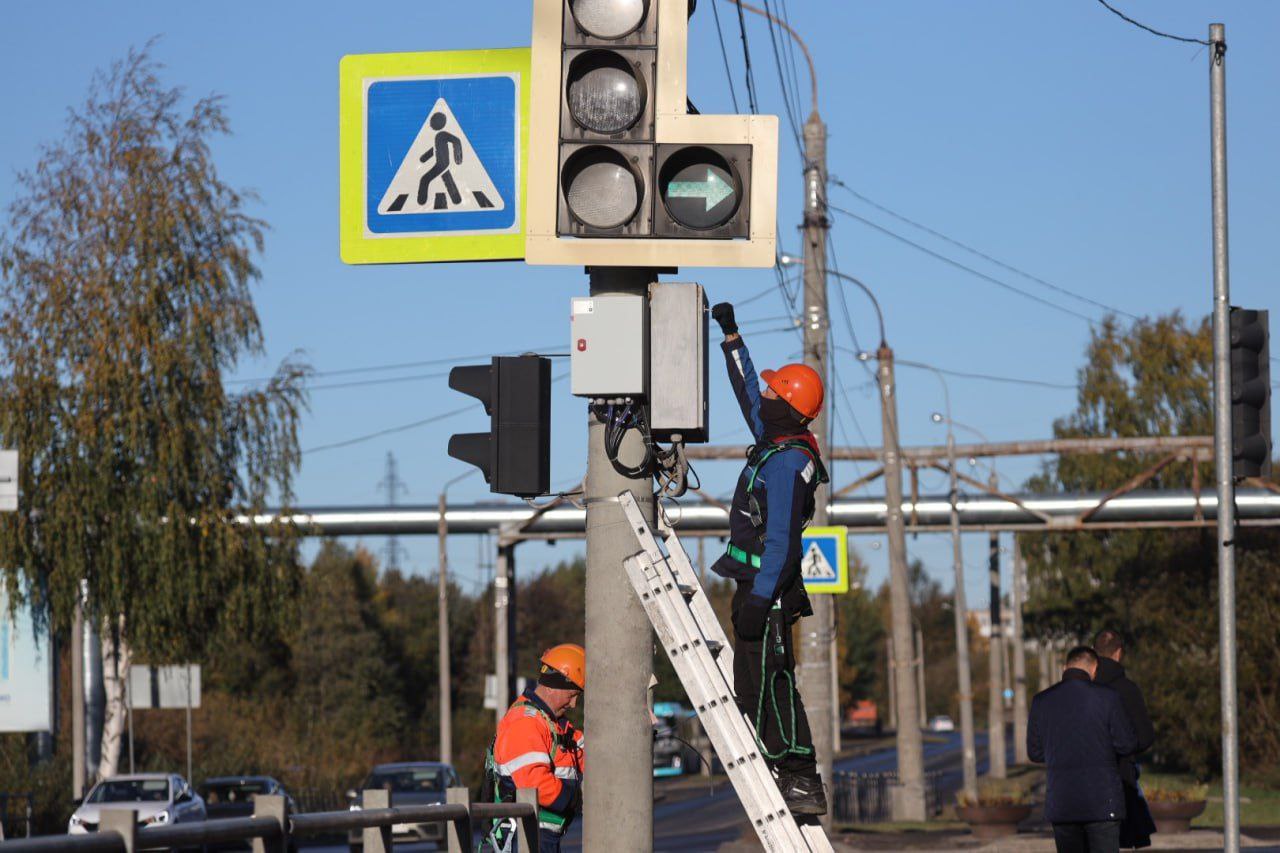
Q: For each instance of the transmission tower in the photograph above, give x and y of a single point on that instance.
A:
(394, 487)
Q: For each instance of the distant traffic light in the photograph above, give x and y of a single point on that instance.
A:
(1250, 394)
(616, 156)
(515, 454)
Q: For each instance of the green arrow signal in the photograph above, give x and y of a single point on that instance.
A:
(714, 189)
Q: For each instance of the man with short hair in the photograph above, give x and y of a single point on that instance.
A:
(1077, 729)
(1136, 829)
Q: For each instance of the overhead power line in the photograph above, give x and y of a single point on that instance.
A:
(1154, 32)
(951, 261)
(404, 365)
(724, 54)
(971, 250)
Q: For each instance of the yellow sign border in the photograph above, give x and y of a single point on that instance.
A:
(841, 584)
(355, 247)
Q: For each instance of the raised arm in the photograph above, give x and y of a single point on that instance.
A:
(742, 373)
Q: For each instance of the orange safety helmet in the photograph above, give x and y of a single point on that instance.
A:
(798, 384)
(568, 659)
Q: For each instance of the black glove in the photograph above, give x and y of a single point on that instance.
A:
(752, 617)
(722, 313)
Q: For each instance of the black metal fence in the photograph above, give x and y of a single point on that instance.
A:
(868, 797)
(273, 828)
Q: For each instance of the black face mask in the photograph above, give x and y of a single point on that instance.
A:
(779, 418)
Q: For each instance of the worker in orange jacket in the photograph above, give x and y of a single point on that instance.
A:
(537, 747)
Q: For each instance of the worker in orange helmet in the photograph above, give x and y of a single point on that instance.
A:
(537, 747)
(772, 504)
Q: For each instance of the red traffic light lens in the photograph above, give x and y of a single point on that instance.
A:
(609, 19)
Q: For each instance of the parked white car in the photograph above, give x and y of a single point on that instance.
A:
(942, 723)
(160, 798)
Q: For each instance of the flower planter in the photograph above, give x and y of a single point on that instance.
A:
(1174, 815)
(993, 821)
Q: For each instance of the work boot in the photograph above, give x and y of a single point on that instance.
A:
(803, 792)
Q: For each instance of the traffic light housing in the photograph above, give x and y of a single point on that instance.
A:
(515, 454)
(1250, 394)
(620, 174)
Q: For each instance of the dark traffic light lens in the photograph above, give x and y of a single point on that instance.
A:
(604, 93)
(609, 19)
(601, 187)
(699, 188)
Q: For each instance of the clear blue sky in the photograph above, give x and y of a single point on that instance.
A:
(1053, 136)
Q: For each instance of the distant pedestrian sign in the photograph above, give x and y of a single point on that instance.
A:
(432, 156)
(825, 561)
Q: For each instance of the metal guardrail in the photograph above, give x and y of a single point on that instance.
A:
(272, 828)
(868, 797)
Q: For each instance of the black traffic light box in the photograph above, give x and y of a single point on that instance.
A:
(1250, 394)
(515, 454)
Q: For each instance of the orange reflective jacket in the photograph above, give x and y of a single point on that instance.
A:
(534, 750)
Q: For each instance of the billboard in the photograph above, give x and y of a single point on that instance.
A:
(26, 672)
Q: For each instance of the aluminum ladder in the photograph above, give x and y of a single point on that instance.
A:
(688, 629)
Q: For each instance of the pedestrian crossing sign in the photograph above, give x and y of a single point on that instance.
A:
(825, 561)
(432, 156)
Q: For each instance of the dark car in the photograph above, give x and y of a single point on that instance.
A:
(410, 783)
(233, 796)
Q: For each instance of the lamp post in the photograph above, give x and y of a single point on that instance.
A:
(442, 624)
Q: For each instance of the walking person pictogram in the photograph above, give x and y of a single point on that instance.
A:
(440, 169)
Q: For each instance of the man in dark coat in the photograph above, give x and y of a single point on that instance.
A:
(1078, 728)
(1137, 827)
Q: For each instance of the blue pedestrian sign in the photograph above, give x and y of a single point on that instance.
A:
(825, 561)
(432, 156)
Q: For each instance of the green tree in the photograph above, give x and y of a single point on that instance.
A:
(1159, 587)
(125, 276)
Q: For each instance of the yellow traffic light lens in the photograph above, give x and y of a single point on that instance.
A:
(609, 19)
(601, 187)
(604, 93)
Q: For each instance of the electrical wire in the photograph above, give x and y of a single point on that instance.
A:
(378, 368)
(782, 81)
(970, 249)
(988, 377)
(1154, 32)
(724, 53)
(952, 262)
(752, 101)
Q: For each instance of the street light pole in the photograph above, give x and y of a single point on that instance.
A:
(1222, 439)
(442, 624)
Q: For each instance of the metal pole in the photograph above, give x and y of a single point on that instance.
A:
(817, 633)
(128, 710)
(77, 703)
(969, 753)
(501, 628)
(909, 801)
(919, 664)
(1222, 438)
(188, 723)
(618, 783)
(1019, 658)
(996, 767)
(442, 628)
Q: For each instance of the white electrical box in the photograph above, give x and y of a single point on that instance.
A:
(678, 361)
(608, 346)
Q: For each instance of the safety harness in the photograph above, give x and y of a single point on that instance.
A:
(775, 652)
(503, 830)
(756, 460)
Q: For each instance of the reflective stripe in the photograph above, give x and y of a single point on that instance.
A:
(566, 773)
(742, 556)
(551, 827)
(510, 767)
(737, 362)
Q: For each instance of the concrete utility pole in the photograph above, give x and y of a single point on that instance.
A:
(891, 683)
(618, 783)
(1222, 438)
(909, 800)
(817, 633)
(77, 703)
(442, 629)
(919, 664)
(503, 616)
(1019, 658)
(995, 695)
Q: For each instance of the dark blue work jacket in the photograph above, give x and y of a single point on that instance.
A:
(1079, 728)
(764, 538)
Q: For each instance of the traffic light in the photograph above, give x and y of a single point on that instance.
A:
(620, 173)
(1250, 394)
(515, 454)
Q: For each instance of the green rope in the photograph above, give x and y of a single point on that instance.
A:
(790, 747)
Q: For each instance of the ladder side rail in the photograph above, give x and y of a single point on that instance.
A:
(728, 729)
(700, 604)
